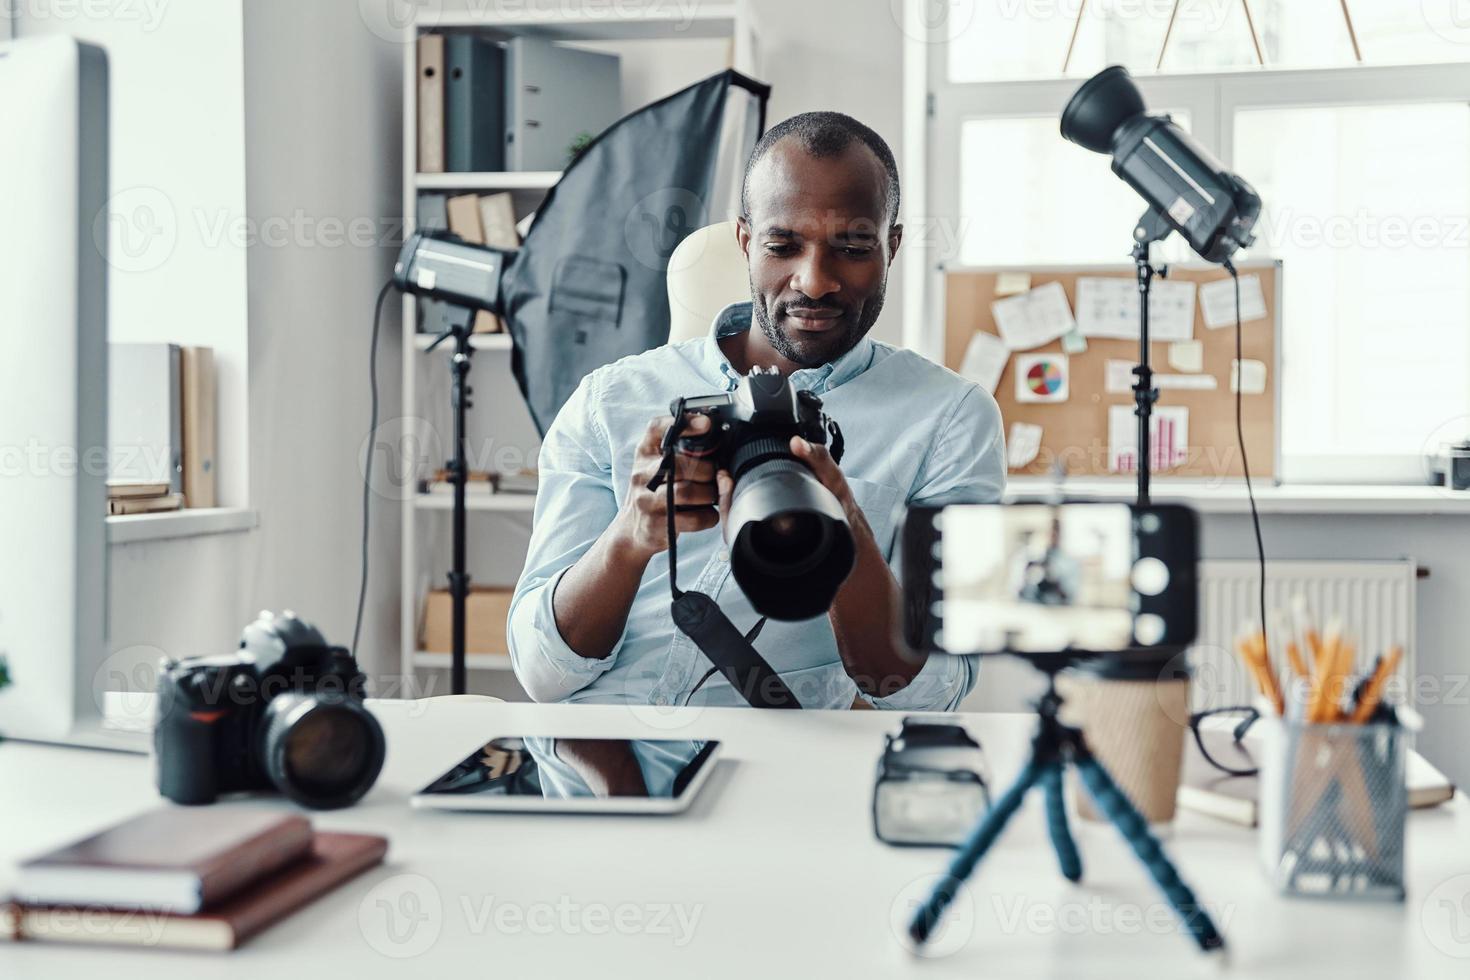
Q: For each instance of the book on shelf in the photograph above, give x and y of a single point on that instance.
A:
(329, 860)
(124, 489)
(197, 381)
(464, 221)
(124, 506)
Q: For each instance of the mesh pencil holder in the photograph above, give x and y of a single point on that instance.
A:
(1333, 801)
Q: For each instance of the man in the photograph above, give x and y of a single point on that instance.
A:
(590, 617)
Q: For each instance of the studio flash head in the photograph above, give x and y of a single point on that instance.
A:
(1189, 190)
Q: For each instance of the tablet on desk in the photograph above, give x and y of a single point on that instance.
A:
(574, 775)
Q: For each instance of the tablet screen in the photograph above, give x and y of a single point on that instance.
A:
(569, 768)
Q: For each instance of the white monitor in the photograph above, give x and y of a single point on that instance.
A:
(53, 382)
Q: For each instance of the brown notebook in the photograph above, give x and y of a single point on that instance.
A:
(334, 858)
(171, 859)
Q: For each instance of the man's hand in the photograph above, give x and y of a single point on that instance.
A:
(642, 523)
(867, 612)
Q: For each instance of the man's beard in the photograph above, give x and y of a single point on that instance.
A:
(815, 349)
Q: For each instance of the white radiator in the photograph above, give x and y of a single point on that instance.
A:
(1373, 599)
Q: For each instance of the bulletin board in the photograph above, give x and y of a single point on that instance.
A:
(1075, 432)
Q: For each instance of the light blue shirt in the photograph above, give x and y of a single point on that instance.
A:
(915, 433)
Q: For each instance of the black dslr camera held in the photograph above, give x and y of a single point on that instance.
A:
(297, 724)
(790, 546)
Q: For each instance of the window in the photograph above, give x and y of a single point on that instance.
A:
(1364, 172)
(1002, 40)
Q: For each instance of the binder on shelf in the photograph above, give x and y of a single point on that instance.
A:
(197, 375)
(431, 103)
(554, 94)
(474, 104)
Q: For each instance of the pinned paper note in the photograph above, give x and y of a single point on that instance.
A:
(1108, 307)
(1033, 318)
(1118, 377)
(1041, 377)
(985, 360)
(1011, 283)
(1073, 342)
(1188, 382)
(1023, 444)
(1187, 355)
(1168, 438)
(1248, 377)
(1217, 301)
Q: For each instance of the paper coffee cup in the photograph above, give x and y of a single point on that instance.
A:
(1136, 727)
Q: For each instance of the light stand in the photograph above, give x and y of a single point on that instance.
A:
(1152, 227)
(458, 466)
(1052, 748)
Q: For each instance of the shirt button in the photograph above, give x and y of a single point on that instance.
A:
(660, 700)
(724, 555)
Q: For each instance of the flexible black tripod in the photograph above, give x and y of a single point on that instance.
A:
(1054, 745)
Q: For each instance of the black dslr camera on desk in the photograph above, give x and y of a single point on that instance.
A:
(784, 527)
(297, 724)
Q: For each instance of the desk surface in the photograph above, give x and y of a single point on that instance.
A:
(773, 872)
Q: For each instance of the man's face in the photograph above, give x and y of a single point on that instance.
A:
(818, 243)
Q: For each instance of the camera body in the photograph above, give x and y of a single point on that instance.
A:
(298, 724)
(754, 421)
(789, 542)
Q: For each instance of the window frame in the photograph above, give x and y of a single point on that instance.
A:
(1213, 99)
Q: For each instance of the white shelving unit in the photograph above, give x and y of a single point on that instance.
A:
(673, 25)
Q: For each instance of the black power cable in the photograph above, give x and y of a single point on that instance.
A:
(367, 463)
(1245, 463)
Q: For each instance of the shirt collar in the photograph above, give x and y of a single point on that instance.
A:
(736, 318)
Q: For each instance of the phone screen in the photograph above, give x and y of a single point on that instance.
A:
(1051, 578)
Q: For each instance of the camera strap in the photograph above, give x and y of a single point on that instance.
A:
(701, 619)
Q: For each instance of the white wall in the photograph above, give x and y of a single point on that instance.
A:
(175, 234)
(845, 57)
(270, 133)
(323, 131)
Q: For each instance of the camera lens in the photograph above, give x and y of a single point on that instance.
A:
(321, 750)
(784, 527)
(789, 543)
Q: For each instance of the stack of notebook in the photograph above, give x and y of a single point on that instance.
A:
(124, 497)
(182, 878)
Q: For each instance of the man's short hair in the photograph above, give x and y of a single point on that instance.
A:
(824, 134)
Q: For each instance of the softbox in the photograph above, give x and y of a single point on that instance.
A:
(587, 286)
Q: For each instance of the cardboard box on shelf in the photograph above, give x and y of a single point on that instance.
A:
(486, 611)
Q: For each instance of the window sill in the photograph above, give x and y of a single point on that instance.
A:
(180, 524)
(1290, 498)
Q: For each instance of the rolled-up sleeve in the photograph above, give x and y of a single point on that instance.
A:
(575, 503)
(966, 465)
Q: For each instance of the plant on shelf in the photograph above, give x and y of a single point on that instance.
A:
(579, 143)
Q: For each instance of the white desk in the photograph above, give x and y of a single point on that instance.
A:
(775, 872)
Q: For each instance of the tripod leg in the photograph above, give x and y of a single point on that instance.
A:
(1056, 824)
(1130, 823)
(926, 919)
